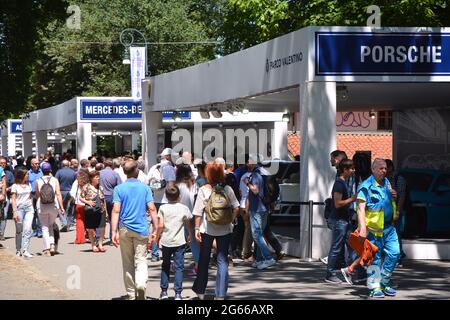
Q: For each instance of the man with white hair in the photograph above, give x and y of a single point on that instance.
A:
(376, 213)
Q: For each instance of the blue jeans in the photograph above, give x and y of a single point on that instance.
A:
(23, 228)
(379, 273)
(178, 264)
(340, 229)
(258, 221)
(200, 283)
(3, 216)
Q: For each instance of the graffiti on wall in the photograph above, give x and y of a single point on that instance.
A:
(350, 121)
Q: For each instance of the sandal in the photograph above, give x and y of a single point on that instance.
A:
(95, 250)
(52, 249)
(102, 249)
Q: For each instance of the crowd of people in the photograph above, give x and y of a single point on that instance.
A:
(218, 211)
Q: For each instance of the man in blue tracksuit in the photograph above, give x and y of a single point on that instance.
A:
(376, 208)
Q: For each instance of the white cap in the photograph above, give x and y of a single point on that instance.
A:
(166, 152)
(180, 161)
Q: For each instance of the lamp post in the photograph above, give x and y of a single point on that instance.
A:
(127, 40)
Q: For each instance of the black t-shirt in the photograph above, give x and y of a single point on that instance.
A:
(343, 212)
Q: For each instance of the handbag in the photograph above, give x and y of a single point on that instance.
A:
(97, 208)
(365, 249)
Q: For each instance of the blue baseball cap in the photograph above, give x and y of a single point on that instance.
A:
(45, 166)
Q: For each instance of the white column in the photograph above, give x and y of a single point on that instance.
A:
(27, 138)
(134, 140)
(151, 122)
(41, 142)
(11, 144)
(84, 140)
(94, 144)
(279, 143)
(318, 139)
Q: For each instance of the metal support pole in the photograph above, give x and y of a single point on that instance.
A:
(310, 227)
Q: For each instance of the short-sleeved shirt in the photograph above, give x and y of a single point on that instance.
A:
(109, 179)
(32, 177)
(256, 202)
(243, 189)
(133, 197)
(384, 193)
(341, 213)
(168, 171)
(66, 177)
(202, 199)
(174, 215)
(23, 195)
(187, 196)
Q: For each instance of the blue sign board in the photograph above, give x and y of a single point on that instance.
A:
(185, 115)
(402, 54)
(110, 110)
(15, 127)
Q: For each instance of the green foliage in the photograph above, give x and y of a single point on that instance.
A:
(248, 22)
(43, 63)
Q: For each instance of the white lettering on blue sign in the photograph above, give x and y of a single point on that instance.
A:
(401, 54)
(108, 109)
(18, 127)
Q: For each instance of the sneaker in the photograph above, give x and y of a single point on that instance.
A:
(266, 264)
(26, 254)
(347, 275)
(281, 255)
(376, 293)
(64, 229)
(324, 260)
(155, 259)
(163, 295)
(178, 296)
(219, 298)
(140, 293)
(389, 291)
(255, 264)
(18, 253)
(333, 279)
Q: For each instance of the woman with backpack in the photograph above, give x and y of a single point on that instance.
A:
(215, 209)
(95, 209)
(49, 201)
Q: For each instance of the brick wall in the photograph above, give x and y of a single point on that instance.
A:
(379, 143)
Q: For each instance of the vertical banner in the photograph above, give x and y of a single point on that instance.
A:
(138, 58)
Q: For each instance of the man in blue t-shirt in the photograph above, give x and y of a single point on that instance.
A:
(132, 200)
(34, 174)
(258, 213)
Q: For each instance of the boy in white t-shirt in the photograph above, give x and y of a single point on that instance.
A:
(173, 216)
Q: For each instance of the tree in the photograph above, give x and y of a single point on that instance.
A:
(89, 61)
(246, 23)
(19, 25)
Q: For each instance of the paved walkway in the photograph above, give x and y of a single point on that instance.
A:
(101, 277)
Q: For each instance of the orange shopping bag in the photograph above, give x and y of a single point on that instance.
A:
(365, 249)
